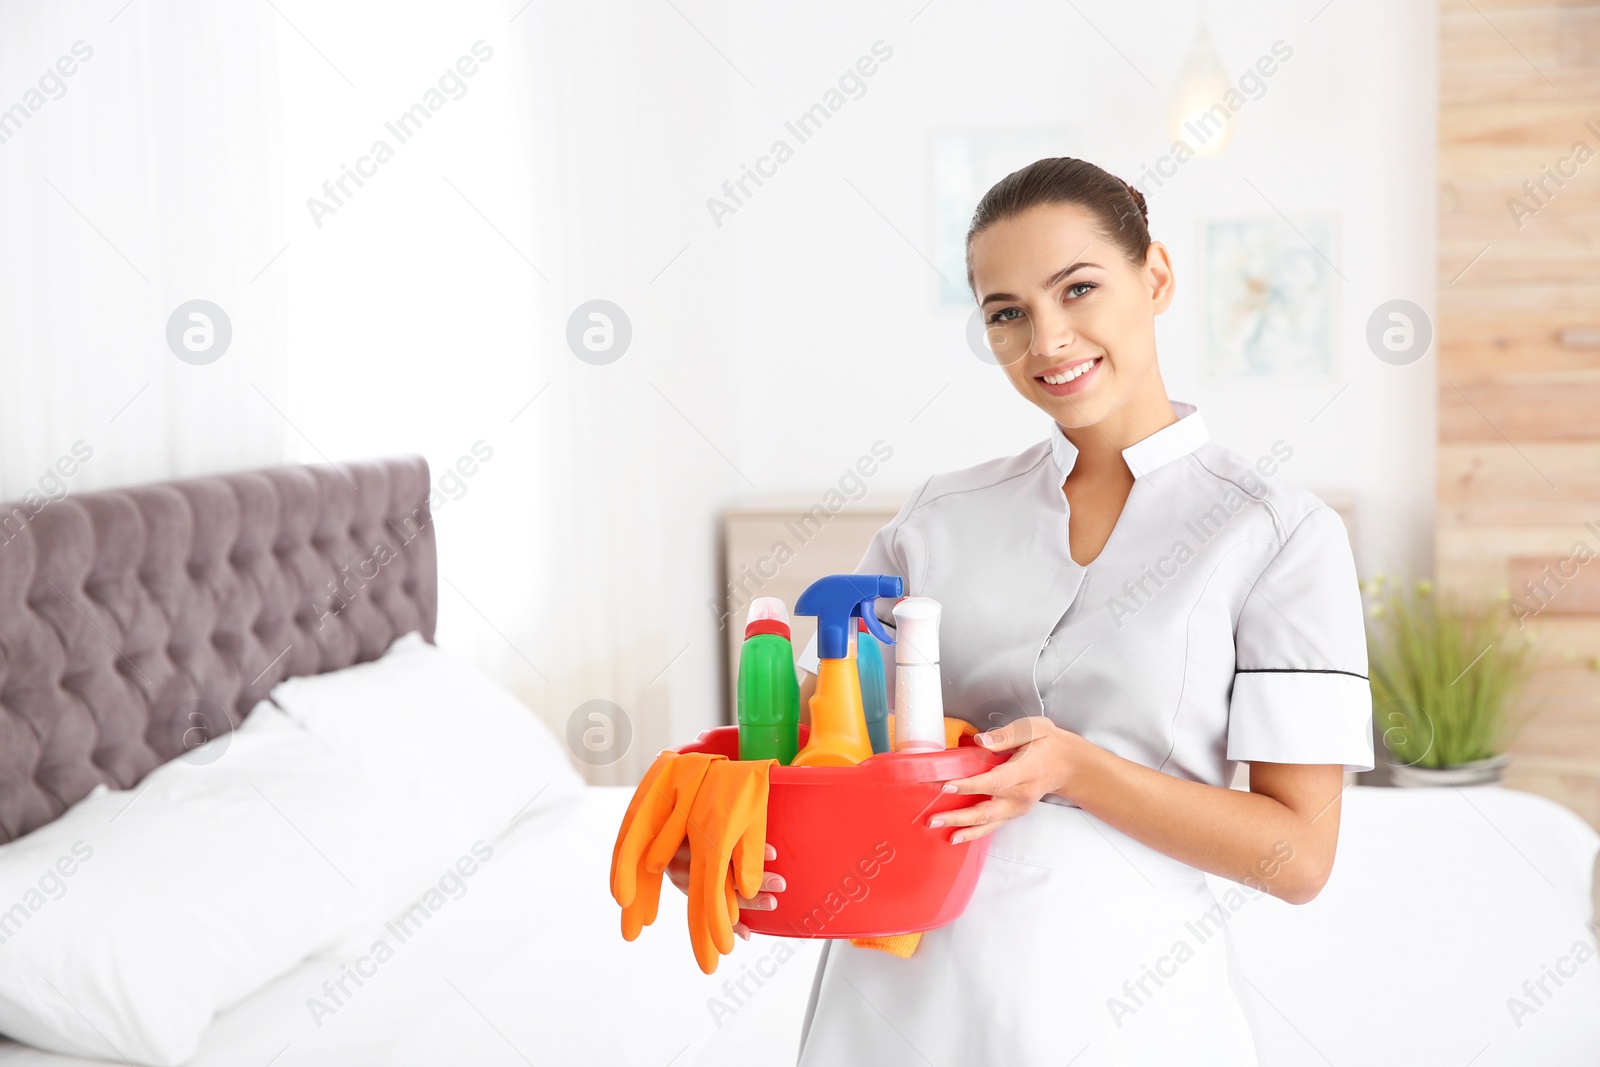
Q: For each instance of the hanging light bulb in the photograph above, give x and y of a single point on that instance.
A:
(1200, 118)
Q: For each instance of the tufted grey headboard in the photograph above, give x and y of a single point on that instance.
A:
(136, 623)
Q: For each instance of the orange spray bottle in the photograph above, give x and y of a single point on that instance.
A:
(839, 736)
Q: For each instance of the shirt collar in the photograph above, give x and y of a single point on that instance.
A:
(1162, 447)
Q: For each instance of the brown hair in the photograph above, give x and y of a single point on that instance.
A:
(1118, 206)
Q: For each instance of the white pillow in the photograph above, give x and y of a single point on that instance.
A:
(423, 724)
(132, 919)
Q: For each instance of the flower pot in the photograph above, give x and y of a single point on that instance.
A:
(1478, 772)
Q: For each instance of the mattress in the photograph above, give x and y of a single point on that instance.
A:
(528, 966)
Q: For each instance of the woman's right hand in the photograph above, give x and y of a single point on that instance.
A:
(678, 871)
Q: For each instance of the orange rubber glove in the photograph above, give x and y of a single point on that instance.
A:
(727, 852)
(652, 829)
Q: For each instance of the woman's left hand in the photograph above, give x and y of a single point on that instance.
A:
(1041, 754)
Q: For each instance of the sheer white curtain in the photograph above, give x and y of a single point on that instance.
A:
(409, 298)
(604, 442)
(138, 172)
(428, 313)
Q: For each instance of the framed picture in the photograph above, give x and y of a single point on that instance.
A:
(962, 165)
(1268, 300)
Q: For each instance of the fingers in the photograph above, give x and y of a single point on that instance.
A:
(980, 831)
(984, 812)
(1014, 734)
(992, 783)
(763, 900)
(643, 910)
(766, 900)
(1008, 775)
(988, 783)
(773, 883)
(981, 819)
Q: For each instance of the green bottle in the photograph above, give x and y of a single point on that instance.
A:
(769, 692)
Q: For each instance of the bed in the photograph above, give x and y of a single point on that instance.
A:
(136, 623)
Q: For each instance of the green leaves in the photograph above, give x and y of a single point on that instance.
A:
(1445, 674)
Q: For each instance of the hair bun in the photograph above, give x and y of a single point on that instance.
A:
(1138, 198)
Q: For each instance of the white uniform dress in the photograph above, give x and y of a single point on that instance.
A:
(1220, 623)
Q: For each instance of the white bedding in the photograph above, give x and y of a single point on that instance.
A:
(528, 966)
(1442, 904)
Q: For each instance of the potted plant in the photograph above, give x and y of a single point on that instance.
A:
(1445, 675)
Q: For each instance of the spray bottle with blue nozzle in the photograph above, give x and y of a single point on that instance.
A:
(839, 736)
(874, 691)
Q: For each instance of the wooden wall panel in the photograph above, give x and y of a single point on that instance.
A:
(1556, 39)
(1519, 357)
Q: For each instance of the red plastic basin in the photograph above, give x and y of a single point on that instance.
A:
(854, 846)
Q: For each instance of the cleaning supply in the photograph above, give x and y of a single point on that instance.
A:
(903, 945)
(874, 691)
(866, 824)
(720, 807)
(839, 735)
(954, 731)
(653, 827)
(918, 697)
(768, 692)
(727, 852)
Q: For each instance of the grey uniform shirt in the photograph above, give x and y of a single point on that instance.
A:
(1221, 623)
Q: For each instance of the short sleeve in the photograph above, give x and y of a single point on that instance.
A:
(881, 557)
(1300, 687)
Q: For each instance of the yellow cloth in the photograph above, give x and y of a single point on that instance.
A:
(903, 945)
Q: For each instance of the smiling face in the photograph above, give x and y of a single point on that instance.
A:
(1068, 317)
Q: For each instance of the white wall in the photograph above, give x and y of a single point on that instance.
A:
(769, 353)
(835, 296)
(833, 337)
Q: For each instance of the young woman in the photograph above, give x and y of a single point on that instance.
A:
(1130, 610)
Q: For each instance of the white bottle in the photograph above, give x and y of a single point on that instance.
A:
(918, 696)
